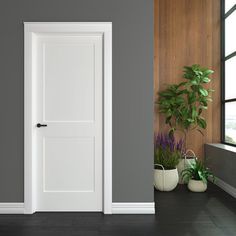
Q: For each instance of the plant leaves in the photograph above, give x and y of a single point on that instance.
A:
(182, 104)
(203, 92)
(202, 123)
(205, 80)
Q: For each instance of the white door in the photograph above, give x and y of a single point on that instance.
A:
(69, 98)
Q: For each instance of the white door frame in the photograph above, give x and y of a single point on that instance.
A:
(30, 29)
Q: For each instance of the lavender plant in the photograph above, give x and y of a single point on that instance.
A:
(167, 151)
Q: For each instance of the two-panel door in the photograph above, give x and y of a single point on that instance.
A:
(69, 97)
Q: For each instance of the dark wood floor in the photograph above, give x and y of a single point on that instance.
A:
(179, 213)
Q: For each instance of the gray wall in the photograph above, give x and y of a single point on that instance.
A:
(132, 89)
(221, 159)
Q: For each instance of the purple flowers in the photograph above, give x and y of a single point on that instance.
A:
(167, 151)
(165, 141)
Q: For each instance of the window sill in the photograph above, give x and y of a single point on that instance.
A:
(223, 147)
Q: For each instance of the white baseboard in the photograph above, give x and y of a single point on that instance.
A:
(226, 187)
(12, 208)
(133, 208)
(117, 208)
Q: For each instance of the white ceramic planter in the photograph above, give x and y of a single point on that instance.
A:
(165, 180)
(197, 186)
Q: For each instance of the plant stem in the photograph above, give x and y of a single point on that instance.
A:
(185, 140)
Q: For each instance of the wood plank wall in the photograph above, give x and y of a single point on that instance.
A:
(188, 32)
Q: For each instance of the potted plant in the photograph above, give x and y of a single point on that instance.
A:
(183, 105)
(167, 153)
(197, 176)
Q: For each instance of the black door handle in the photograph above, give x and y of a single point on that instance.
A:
(41, 125)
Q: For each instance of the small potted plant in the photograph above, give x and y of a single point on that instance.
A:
(167, 153)
(183, 104)
(197, 176)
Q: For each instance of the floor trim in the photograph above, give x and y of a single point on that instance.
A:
(226, 187)
(12, 208)
(133, 208)
(117, 208)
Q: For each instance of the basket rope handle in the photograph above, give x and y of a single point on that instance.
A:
(163, 176)
(190, 151)
(185, 156)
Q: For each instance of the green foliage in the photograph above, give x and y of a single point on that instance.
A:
(167, 158)
(183, 103)
(197, 171)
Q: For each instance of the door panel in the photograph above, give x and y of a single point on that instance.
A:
(68, 69)
(71, 165)
(69, 100)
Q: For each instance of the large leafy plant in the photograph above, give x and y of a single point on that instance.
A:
(197, 171)
(183, 104)
(167, 151)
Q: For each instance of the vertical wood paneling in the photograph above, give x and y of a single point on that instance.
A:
(156, 62)
(188, 32)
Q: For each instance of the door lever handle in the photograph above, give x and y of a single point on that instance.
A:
(41, 125)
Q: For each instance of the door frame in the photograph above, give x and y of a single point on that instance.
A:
(30, 29)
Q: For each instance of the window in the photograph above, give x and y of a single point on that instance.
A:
(228, 67)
